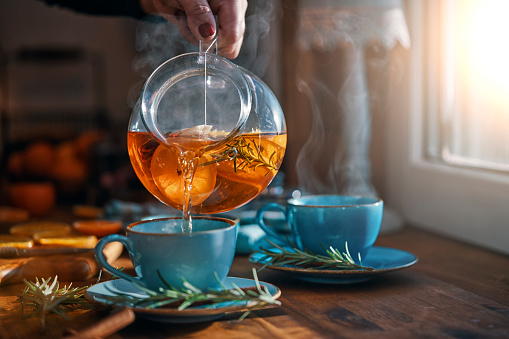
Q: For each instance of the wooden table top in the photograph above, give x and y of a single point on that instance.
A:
(454, 291)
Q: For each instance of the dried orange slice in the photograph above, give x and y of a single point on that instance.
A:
(39, 229)
(169, 178)
(99, 228)
(81, 241)
(10, 214)
(15, 241)
(86, 211)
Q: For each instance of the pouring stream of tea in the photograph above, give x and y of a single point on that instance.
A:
(189, 160)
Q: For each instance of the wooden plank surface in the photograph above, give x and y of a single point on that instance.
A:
(454, 291)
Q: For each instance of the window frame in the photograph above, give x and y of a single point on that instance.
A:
(464, 203)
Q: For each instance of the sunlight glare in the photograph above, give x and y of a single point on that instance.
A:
(487, 44)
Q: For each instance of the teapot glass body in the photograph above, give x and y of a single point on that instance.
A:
(201, 117)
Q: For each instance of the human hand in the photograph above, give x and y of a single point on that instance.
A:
(195, 20)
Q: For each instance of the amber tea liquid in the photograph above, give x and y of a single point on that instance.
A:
(224, 178)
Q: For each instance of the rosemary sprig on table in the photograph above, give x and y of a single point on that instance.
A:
(306, 259)
(245, 154)
(47, 296)
(189, 295)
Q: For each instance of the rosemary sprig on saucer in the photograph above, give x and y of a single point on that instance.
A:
(308, 260)
(189, 295)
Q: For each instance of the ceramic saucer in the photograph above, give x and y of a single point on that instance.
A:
(382, 259)
(101, 291)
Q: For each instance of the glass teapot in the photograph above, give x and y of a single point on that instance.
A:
(206, 135)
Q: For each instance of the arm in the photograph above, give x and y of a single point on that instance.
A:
(194, 18)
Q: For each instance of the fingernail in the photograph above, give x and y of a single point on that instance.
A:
(206, 29)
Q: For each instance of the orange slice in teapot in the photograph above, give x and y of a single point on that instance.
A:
(169, 176)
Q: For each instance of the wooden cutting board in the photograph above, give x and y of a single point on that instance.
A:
(68, 267)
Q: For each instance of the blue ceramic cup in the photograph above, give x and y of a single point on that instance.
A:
(158, 249)
(318, 221)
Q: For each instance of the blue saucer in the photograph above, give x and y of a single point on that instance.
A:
(100, 292)
(381, 259)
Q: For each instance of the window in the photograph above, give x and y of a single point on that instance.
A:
(471, 126)
(448, 149)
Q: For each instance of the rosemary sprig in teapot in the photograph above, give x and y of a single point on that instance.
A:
(245, 153)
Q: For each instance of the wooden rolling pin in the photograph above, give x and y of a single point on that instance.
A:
(68, 267)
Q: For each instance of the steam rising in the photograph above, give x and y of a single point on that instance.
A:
(335, 159)
(333, 74)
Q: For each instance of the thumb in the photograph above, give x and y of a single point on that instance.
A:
(200, 18)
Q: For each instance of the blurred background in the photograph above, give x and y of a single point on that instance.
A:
(69, 82)
(406, 100)
(65, 83)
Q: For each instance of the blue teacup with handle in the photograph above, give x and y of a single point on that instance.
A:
(162, 254)
(317, 222)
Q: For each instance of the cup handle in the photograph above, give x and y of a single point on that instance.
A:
(261, 223)
(99, 255)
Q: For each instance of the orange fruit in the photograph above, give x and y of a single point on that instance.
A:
(99, 228)
(38, 229)
(66, 150)
(37, 198)
(39, 158)
(69, 172)
(16, 163)
(85, 141)
(15, 241)
(80, 241)
(169, 179)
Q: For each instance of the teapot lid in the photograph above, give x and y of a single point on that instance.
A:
(197, 94)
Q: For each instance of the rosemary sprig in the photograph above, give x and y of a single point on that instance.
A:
(308, 260)
(250, 155)
(189, 295)
(245, 153)
(47, 296)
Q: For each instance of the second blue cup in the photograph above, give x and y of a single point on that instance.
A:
(317, 222)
